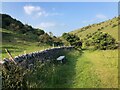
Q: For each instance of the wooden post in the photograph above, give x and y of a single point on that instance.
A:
(25, 52)
(11, 58)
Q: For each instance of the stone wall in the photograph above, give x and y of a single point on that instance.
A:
(48, 54)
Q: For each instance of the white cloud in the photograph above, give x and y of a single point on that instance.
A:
(31, 9)
(38, 11)
(44, 13)
(101, 16)
(46, 25)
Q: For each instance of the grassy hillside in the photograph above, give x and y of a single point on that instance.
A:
(97, 68)
(18, 44)
(110, 27)
(21, 38)
(83, 69)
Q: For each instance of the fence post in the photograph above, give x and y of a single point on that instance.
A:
(11, 58)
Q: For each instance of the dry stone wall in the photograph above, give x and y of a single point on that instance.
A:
(48, 54)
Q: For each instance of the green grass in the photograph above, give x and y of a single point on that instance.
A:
(97, 69)
(17, 44)
(87, 69)
(107, 28)
(54, 75)
(21, 48)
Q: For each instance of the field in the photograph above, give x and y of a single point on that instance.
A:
(83, 69)
(19, 49)
(87, 69)
(97, 69)
(17, 44)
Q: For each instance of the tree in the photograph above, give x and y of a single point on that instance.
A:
(72, 39)
(45, 38)
(39, 32)
(57, 41)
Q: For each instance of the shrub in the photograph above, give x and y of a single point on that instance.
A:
(13, 77)
(101, 41)
(45, 38)
(72, 39)
(57, 41)
(99, 29)
(102, 27)
(31, 36)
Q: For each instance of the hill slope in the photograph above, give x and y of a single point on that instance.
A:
(20, 38)
(86, 69)
(110, 27)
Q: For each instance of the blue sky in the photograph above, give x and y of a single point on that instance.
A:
(60, 17)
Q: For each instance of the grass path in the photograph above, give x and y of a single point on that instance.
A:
(85, 76)
(90, 69)
(97, 69)
(105, 65)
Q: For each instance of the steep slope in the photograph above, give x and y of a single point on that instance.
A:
(21, 38)
(18, 43)
(110, 27)
(15, 28)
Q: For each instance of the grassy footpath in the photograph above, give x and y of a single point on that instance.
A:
(97, 69)
(87, 69)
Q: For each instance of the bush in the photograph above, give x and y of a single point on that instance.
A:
(57, 41)
(40, 76)
(99, 29)
(31, 36)
(45, 38)
(102, 27)
(101, 41)
(13, 77)
(72, 39)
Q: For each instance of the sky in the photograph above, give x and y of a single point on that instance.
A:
(60, 17)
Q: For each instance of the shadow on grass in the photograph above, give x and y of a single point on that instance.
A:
(54, 74)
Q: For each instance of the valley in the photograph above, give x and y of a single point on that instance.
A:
(85, 67)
